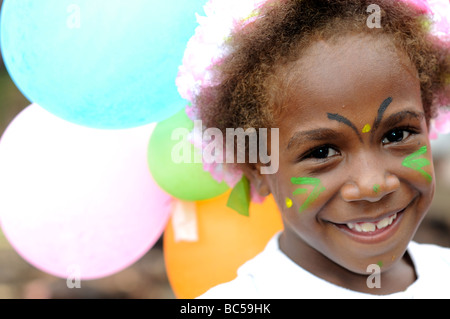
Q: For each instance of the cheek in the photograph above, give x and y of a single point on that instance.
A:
(424, 185)
(310, 189)
(417, 168)
(299, 198)
(421, 163)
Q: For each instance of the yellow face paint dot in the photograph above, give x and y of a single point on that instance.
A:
(367, 128)
(289, 203)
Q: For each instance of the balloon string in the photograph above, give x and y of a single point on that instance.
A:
(184, 221)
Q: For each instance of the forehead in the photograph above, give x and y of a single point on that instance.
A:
(355, 72)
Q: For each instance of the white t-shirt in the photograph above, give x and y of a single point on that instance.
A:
(273, 275)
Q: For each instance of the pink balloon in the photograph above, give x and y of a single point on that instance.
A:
(76, 201)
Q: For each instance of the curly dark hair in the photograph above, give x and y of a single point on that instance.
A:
(243, 95)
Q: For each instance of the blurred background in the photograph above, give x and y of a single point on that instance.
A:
(147, 278)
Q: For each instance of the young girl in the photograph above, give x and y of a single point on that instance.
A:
(352, 86)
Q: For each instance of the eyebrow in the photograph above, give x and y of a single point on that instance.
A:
(327, 134)
(346, 121)
(321, 134)
(393, 119)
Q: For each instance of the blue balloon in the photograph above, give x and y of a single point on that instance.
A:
(108, 64)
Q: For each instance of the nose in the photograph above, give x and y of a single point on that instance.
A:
(369, 181)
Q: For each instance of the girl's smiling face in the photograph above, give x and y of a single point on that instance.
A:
(356, 175)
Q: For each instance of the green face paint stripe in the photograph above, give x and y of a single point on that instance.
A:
(416, 163)
(376, 188)
(300, 191)
(305, 180)
(318, 189)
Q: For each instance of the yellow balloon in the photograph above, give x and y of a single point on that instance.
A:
(226, 241)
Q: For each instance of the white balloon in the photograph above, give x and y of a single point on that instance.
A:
(76, 198)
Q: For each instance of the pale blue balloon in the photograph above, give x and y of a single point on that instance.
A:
(108, 64)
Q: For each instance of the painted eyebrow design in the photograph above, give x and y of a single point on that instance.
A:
(342, 119)
(326, 134)
(384, 106)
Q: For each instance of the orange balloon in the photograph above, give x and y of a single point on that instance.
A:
(226, 241)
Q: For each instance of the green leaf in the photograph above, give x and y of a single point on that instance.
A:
(240, 199)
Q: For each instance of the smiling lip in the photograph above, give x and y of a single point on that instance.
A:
(376, 236)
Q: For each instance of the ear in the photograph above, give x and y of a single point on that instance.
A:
(257, 180)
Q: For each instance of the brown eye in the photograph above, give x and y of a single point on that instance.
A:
(396, 136)
(323, 152)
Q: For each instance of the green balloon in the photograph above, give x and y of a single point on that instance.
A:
(186, 180)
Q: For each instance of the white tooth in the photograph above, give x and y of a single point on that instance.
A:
(367, 227)
(392, 218)
(370, 227)
(383, 223)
